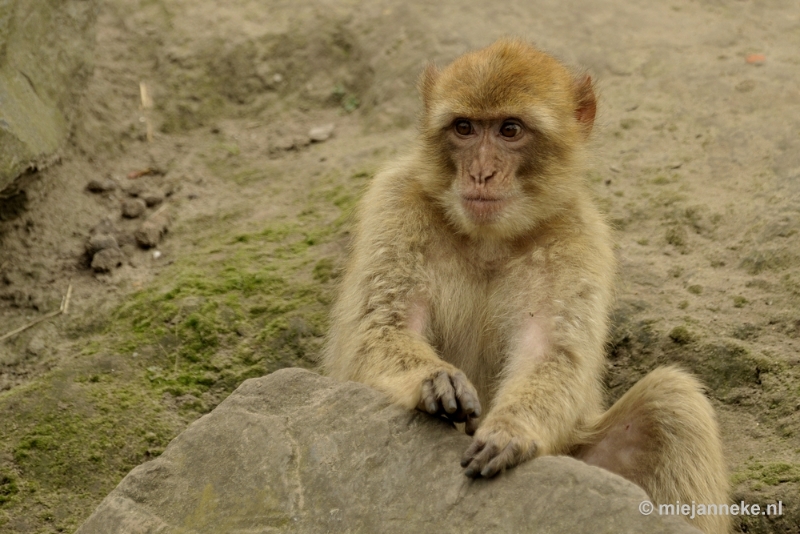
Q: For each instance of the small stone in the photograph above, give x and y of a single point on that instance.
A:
(322, 133)
(106, 260)
(101, 186)
(152, 230)
(133, 208)
(152, 198)
(100, 242)
(755, 59)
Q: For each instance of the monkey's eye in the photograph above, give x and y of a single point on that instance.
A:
(463, 127)
(510, 130)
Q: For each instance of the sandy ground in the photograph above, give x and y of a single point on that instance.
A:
(697, 165)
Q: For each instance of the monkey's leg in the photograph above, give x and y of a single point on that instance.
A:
(662, 435)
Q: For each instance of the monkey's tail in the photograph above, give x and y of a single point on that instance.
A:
(673, 451)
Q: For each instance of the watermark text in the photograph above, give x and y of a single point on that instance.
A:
(693, 509)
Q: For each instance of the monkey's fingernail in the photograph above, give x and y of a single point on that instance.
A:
(430, 406)
(471, 472)
(465, 462)
(451, 406)
(487, 472)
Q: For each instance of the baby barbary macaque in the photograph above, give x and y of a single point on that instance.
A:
(480, 280)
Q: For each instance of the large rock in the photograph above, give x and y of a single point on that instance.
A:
(45, 59)
(297, 452)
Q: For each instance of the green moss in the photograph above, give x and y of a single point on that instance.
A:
(8, 486)
(723, 366)
(681, 335)
(768, 260)
(246, 302)
(695, 289)
(676, 236)
(324, 270)
(739, 301)
(767, 473)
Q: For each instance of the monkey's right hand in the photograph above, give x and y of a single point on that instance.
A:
(451, 395)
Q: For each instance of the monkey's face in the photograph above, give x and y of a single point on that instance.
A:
(500, 133)
(486, 156)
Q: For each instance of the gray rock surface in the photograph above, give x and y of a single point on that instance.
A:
(298, 452)
(46, 51)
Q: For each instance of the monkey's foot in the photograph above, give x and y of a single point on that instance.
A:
(451, 395)
(495, 448)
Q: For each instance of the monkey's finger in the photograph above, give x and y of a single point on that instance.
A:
(428, 401)
(471, 425)
(471, 451)
(444, 391)
(466, 394)
(508, 457)
(480, 460)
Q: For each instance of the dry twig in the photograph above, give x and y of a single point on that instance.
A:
(63, 309)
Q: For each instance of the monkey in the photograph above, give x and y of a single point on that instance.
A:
(480, 279)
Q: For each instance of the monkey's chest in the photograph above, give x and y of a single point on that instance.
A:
(474, 317)
(470, 324)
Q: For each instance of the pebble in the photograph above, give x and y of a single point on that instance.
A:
(292, 142)
(152, 198)
(755, 59)
(322, 133)
(133, 207)
(101, 186)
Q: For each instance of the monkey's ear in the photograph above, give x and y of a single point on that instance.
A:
(426, 83)
(585, 104)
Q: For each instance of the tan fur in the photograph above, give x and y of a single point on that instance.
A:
(674, 454)
(487, 256)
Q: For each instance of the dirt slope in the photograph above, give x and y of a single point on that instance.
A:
(697, 164)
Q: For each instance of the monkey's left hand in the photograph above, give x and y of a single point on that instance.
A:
(498, 444)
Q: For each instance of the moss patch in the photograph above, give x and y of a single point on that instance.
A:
(243, 304)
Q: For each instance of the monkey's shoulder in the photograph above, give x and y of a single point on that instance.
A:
(395, 202)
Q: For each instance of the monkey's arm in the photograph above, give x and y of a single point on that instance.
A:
(376, 335)
(550, 384)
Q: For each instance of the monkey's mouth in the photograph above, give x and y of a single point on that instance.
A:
(482, 208)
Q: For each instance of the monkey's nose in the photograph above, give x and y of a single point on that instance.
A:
(482, 176)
